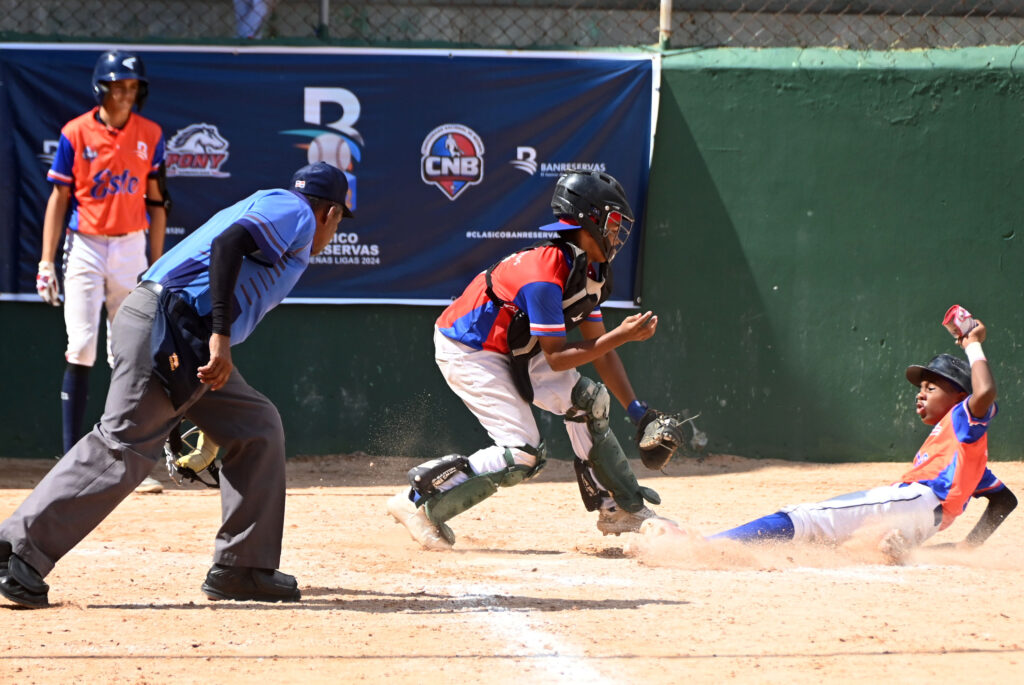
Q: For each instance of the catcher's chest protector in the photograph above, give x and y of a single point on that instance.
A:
(580, 295)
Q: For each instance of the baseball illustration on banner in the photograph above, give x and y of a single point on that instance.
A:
(330, 148)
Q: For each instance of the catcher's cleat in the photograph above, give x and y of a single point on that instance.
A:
(244, 584)
(614, 521)
(21, 584)
(894, 547)
(416, 522)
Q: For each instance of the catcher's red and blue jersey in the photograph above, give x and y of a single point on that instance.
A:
(532, 281)
(953, 459)
(107, 169)
(283, 225)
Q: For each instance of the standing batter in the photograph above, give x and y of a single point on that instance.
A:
(502, 346)
(949, 468)
(172, 359)
(106, 171)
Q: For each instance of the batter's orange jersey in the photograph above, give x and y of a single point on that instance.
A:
(953, 458)
(107, 169)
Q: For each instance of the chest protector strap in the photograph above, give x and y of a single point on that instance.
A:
(580, 296)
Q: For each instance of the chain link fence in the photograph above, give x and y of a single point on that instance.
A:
(524, 24)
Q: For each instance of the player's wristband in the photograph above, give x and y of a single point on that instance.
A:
(636, 410)
(975, 353)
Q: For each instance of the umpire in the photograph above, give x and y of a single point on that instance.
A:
(172, 358)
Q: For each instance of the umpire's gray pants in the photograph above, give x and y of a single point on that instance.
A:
(107, 464)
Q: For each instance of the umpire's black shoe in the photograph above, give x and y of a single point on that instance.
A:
(244, 584)
(20, 583)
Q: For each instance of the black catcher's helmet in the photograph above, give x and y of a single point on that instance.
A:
(116, 65)
(595, 201)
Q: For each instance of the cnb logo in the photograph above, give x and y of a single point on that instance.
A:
(452, 158)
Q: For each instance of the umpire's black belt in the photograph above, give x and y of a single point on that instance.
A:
(153, 287)
(179, 342)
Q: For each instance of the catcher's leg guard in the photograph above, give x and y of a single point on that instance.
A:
(442, 505)
(590, 404)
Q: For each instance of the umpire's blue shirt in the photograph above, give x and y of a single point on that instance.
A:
(283, 225)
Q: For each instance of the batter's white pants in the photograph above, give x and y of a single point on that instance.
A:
(482, 380)
(911, 509)
(97, 269)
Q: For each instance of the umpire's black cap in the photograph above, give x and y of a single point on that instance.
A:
(323, 180)
(953, 369)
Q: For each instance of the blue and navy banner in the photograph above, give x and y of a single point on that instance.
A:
(452, 156)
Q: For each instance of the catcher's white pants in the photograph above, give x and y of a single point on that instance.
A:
(97, 269)
(482, 381)
(911, 509)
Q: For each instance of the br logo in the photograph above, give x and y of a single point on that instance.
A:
(197, 150)
(452, 158)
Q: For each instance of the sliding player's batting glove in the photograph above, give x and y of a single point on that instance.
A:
(658, 436)
(46, 284)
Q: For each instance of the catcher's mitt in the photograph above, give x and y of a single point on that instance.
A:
(189, 454)
(658, 436)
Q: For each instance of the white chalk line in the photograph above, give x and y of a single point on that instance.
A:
(563, 662)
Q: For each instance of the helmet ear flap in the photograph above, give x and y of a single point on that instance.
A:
(99, 91)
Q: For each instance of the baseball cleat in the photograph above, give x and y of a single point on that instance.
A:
(416, 522)
(615, 521)
(653, 527)
(243, 584)
(150, 485)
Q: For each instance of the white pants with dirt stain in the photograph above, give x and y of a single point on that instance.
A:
(913, 509)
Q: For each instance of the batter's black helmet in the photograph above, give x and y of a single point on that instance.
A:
(953, 369)
(595, 201)
(116, 65)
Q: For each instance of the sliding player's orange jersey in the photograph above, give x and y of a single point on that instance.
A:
(954, 458)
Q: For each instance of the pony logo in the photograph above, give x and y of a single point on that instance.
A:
(197, 150)
(452, 158)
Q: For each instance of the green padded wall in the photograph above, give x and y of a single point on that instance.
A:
(812, 213)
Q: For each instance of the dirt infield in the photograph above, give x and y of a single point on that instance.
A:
(532, 592)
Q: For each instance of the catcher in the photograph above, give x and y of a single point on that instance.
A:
(502, 346)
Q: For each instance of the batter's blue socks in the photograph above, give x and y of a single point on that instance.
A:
(777, 526)
(74, 395)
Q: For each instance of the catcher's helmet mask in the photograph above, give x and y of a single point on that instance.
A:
(946, 366)
(116, 65)
(594, 201)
